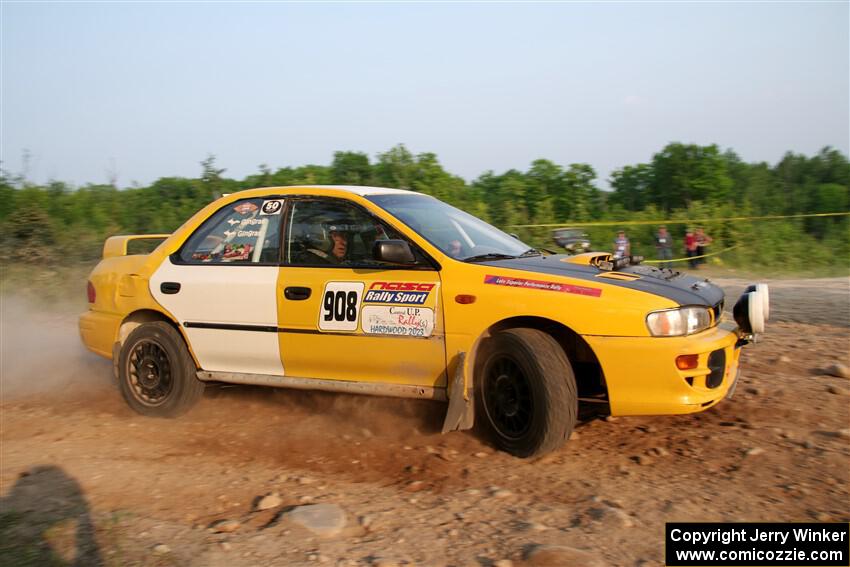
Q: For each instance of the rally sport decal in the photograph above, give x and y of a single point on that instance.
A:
(399, 293)
(544, 285)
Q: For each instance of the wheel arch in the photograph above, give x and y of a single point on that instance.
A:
(137, 318)
(590, 378)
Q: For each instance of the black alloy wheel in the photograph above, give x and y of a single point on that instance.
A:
(149, 370)
(525, 391)
(157, 375)
(507, 397)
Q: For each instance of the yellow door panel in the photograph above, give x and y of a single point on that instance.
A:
(362, 325)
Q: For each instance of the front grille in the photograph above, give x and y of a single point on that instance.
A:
(717, 365)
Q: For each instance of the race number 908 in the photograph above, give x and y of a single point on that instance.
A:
(340, 308)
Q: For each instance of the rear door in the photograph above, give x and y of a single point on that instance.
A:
(344, 316)
(221, 287)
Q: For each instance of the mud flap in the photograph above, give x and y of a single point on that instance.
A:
(116, 357)
(461, 411)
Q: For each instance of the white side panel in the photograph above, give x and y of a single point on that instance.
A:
(230, 294)
(236, 351)
(220, 294)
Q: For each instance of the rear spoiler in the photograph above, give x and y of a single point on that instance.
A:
(117, 245)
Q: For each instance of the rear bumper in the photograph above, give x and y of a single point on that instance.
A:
(98, 331)
(642, 377)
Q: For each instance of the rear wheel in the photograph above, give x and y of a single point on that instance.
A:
(156, 373)
(526, 391)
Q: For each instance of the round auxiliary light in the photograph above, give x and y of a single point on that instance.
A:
(756, 312)
(764, 293)
(763, 290)
(749, 313)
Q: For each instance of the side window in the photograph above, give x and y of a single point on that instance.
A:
(243, 232)
(324, 232)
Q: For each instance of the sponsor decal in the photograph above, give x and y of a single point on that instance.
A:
(271, 207)
(398, 321)
(233, 252)
(402, 286)
(400, 293)
(340, 306)
(245, 208)
(244, 222)
(543, 285)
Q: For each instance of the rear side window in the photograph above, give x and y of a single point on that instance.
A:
(243, 232)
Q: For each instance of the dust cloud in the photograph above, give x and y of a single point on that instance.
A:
(312, 412)
(41, 355)
(41, 352)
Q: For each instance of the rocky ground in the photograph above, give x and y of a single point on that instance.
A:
(271, 477)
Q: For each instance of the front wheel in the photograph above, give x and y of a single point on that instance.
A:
(156, 373)
(526, 391)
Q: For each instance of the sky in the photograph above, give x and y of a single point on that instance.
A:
(147, 90)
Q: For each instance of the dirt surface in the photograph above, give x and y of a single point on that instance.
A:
(84, 480)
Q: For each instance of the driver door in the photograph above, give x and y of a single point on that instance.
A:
(344, 316)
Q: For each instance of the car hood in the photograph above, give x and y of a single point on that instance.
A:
(676, 286)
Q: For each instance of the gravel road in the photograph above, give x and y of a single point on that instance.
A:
(84, 479)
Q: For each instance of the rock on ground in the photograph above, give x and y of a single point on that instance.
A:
(838, 370)
(225, 526)
(326, 520)
(271, 500)
(561, 556)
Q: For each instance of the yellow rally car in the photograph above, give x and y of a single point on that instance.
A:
(395, 293)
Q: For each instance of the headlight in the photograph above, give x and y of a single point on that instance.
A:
(678, 322)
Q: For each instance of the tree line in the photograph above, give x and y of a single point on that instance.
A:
(56, 222)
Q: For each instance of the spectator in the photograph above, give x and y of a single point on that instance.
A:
(691, 248)
(622, 247)
(664, 247)
(703, 240)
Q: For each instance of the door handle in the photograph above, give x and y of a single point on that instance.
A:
(297, 293)
(169, 288)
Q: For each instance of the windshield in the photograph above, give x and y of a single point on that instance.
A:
(456, 233)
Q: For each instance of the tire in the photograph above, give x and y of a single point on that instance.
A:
(170, 387)
(526, 392)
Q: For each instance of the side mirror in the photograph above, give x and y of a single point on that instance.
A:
(393, 252)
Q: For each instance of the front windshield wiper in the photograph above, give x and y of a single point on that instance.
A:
(490, 256)
(530, 252)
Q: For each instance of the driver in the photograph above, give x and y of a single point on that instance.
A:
(338, 252)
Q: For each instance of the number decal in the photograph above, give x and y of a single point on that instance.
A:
(351, 306)
(341, 306)
(329, 306)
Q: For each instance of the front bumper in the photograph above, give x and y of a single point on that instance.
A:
(642, 377)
